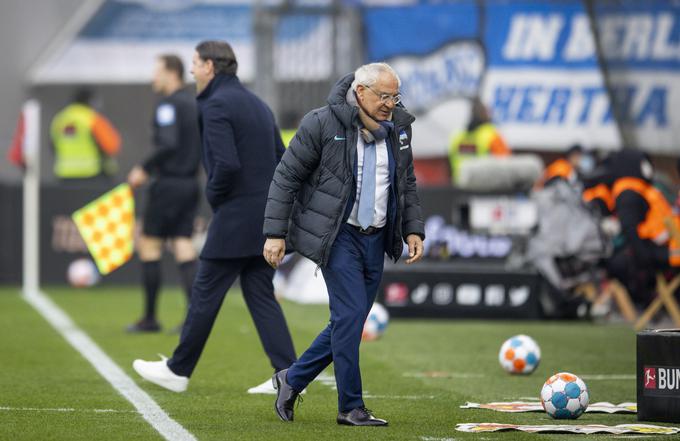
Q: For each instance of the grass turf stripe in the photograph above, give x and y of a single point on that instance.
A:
(62, 409)
(168, 428)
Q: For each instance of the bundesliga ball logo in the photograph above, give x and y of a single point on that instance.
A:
(519, 355)
(564, 396)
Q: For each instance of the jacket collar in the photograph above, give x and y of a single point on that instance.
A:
(346, 111)
(215, 83)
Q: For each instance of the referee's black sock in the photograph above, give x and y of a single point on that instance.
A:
(151, 277)
(187, 272)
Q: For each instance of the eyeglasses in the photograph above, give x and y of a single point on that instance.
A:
(385, 98)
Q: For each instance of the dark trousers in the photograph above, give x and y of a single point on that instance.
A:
(352, 276)
(213, 280)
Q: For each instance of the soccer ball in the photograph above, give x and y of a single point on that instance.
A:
(376, 323)
(519, 355)
(564, 396)
(82, 273)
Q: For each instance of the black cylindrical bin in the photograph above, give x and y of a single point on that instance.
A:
(658, 375)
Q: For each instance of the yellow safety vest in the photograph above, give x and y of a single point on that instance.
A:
(77, 154)
(659, 220)
(476, 143)
(287, 136)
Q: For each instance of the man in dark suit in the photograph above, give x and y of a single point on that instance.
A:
(241, 148)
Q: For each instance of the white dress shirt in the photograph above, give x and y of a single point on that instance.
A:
(382, 183)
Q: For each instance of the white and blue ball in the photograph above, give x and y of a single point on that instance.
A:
(376, 323)
(520, 354)
(564, 396)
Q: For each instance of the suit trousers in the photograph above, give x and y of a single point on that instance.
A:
(213, 280)
(352, 276)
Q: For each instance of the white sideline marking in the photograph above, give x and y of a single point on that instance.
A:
(63, 409)
(442, 374)
(628, 436)
(400, 397)
(596, 377)
(168, 428)
(327, 380)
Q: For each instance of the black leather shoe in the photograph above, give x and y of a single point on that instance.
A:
(360, 417)
(285, 396)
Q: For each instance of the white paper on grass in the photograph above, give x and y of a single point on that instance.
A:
(535, 406)
(587, 429)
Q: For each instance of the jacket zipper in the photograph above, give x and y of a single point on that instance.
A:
(395, 184)
(395, 153)
(324, 257)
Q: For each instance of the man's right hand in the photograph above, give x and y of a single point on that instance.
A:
(274, 250)
(137, 177)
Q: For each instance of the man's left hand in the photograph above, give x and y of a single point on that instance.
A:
(137, 177)
(415, 248)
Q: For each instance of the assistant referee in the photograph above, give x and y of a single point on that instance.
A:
(173, 196)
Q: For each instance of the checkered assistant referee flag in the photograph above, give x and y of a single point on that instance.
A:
(107, 224)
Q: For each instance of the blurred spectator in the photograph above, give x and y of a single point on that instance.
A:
(85, 143)
(174, 193)
(647, 225)
(480, 139)
(564, 169)
(597, 187)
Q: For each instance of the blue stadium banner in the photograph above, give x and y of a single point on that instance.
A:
(545, 84)
(535, 64)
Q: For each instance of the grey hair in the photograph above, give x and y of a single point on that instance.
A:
(367, 74)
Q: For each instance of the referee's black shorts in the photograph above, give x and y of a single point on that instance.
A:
(171, 207)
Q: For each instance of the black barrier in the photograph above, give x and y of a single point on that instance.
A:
(460, 290)
(658, 375)
(11, 230)
(60, 242)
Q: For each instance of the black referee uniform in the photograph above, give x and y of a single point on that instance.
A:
(174, 194)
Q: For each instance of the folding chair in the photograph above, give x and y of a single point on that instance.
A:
(664, 297)
(664, 289)
(612, 289)
(620, 294)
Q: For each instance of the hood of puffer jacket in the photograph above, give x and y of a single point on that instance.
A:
(343, 104)
(632, 163)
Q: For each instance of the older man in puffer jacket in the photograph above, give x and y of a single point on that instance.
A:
(344, 195)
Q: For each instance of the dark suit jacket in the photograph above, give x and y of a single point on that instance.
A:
(241, 148)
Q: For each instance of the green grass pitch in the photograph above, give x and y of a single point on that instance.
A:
(49, 392)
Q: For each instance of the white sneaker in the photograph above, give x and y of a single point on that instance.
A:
(266, 388)
(159, 373)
